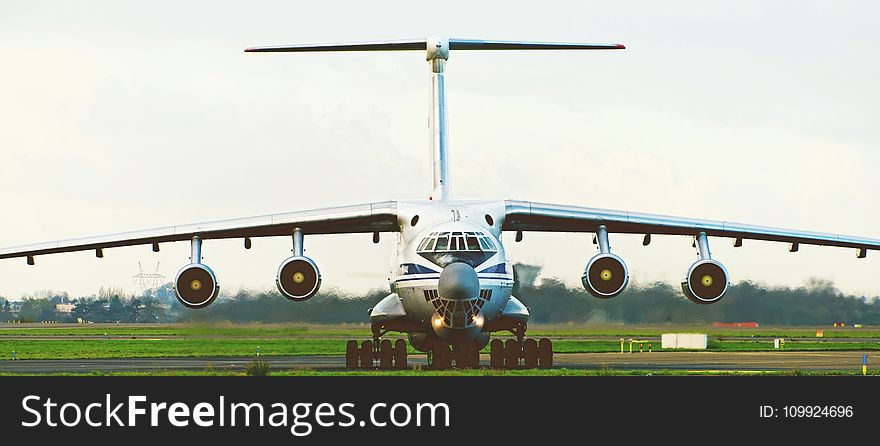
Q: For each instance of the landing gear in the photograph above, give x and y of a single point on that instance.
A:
(386, 354)
(545, 353)
(366, 355)
(390, 355)
(440, 356)
(400, 354)
(496, 354)
(533, 353)
(530, 353)
(511, 354)
(515, 353)
(467, 356)
(352, 356)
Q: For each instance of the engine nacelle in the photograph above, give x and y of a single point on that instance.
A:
(196, 286)
(706, 281)
(298, 278)
(605, 276)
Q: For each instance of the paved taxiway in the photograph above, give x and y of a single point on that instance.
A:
(786, 360)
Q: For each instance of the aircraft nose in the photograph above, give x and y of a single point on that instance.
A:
(458, 281)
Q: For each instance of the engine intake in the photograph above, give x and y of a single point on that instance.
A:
(605, 276)
(706, 281)
(298, 278)
(196, 286)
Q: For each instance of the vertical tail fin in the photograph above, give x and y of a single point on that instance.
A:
(437, 53)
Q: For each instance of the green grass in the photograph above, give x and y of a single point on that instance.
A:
(200, 347)
(227, 339)
(476, 372)
(363, 330)
(141, 348)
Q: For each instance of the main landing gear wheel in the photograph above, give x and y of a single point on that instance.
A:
(530, 353)
(400, 354)
(366, 355)
(441, 357)
(507, 354)
(352, 356)
(496, 354)
(474, 356)
(459, 356)
(511, 354)
(466, 356)
(386, 354)
(545, 353)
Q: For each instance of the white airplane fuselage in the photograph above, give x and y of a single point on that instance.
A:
(455, 311)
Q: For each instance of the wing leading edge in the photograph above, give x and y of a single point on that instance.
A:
(530, 216)
(364, 218)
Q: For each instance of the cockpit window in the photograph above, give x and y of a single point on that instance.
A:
(457, 241)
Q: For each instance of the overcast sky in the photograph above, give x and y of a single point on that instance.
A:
(118, 116)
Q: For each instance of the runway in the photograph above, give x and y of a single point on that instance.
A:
(702, 361)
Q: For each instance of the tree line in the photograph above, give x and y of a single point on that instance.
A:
(550, 300)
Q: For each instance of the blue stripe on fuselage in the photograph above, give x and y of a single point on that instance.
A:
(415, 268)
(497, 269)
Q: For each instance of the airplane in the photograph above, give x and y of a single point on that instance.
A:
(452, 284)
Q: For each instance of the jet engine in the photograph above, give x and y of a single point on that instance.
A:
(605, 276)
(298, 278)
(706, 281)
(196, 286)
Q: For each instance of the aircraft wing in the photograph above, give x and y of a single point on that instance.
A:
(372, 217)
(530, 216)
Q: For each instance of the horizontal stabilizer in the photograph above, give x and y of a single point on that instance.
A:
(422, 44)
(381, 45)
(470, 44)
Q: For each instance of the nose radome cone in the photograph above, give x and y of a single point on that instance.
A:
(458, 281)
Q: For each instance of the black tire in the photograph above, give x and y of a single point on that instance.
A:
(467, 356)
(530, 353)
(400, 354)
(366, 355)
(352, 356)
(511, 354)
(545, 353)
(386, 355)
(496, 354)
(459, 355)
(442, 356)
(474, 356)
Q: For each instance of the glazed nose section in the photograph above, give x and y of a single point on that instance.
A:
(458, 281)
